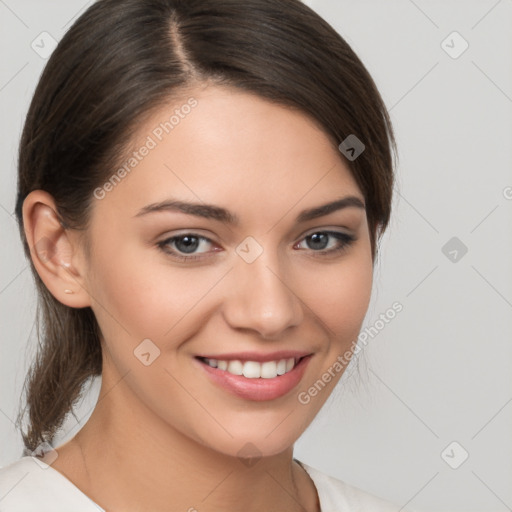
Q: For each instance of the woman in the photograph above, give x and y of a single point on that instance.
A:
(202, 188)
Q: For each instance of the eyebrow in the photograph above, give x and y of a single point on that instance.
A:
(209, 211)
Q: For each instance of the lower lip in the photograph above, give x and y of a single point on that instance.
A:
(256, 389)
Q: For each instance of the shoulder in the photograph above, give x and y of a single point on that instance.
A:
(30, 485)
(336, 495)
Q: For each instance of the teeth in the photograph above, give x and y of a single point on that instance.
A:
(269, 370)
(281, 367)
(253, 369)
(236, 367)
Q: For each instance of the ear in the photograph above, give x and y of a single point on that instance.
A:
(55, 250)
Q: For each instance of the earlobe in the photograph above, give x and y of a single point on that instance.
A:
(54, 252)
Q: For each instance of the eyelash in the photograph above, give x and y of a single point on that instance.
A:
(345, 239)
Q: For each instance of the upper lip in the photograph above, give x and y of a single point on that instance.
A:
(258, 356)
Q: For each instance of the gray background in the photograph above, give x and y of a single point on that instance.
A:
(441, 370)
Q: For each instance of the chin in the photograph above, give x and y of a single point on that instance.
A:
(255, 445)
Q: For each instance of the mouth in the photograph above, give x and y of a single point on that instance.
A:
(255, 380)
(254, 369)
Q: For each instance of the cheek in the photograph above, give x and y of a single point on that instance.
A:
(137, 293)
(340, 307)
(126, 295)
(342, 297)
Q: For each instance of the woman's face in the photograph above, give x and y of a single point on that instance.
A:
(278, 283)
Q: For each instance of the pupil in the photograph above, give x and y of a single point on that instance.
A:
(188, 246)
(319, 238)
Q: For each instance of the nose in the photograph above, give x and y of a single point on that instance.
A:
(261, 298)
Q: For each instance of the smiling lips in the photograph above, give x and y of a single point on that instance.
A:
(255, 376)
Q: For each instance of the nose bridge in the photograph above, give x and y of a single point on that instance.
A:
(261, 298)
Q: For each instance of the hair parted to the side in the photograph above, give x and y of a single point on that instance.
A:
(119, 62)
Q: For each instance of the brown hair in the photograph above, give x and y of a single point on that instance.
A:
(121, 60)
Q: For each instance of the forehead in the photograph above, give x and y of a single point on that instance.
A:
(228, 147)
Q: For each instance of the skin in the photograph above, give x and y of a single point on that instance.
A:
(163, 437)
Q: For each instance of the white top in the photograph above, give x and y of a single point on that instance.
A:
(30, 485)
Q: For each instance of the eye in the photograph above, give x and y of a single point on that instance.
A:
(185, 245)
(319, 242)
